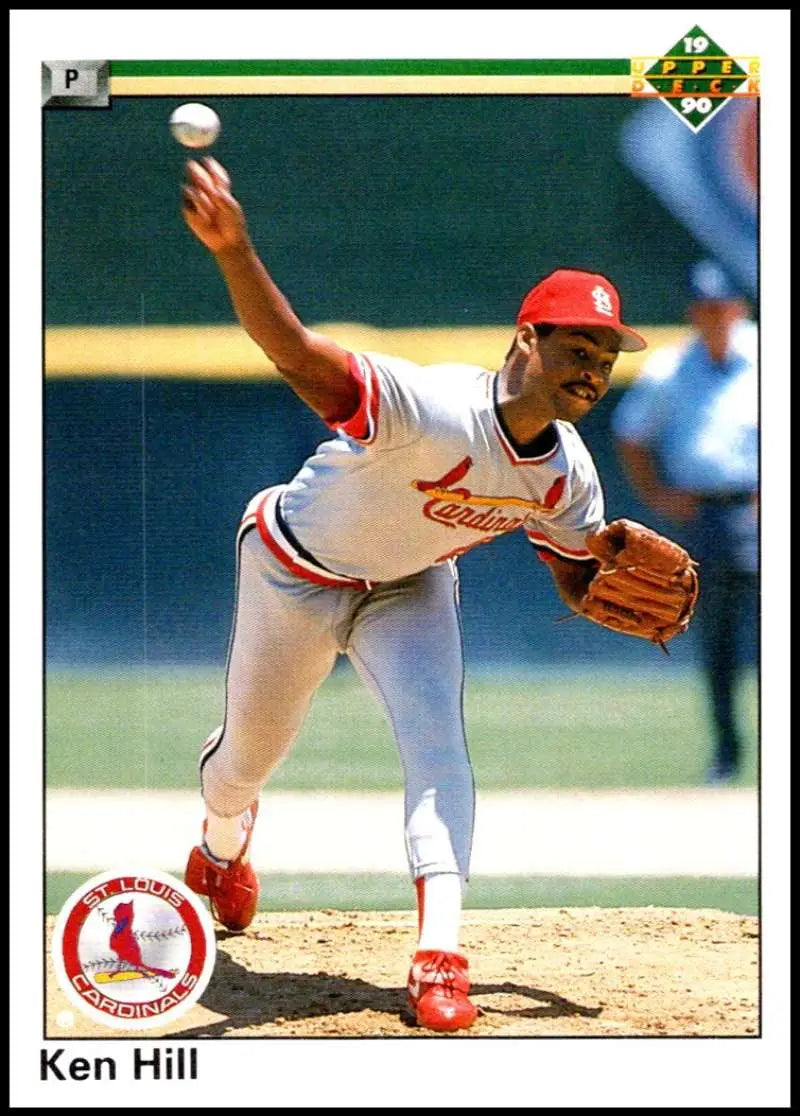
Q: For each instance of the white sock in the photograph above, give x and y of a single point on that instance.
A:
(441, 912)
(224, 836)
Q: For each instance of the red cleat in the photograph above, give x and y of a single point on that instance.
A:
(438, 984)
(232, 887)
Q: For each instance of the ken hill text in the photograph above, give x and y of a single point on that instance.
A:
(155, 1064)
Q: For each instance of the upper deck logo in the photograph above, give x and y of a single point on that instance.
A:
(133, 951)
(696, 78)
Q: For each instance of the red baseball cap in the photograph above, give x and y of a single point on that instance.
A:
(568, 297)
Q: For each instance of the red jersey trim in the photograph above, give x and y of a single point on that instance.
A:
(540, 540)
(277, 543)
(249, 520)
(511, 453)
(362, 426)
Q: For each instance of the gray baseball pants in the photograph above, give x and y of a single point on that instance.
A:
(404, 640)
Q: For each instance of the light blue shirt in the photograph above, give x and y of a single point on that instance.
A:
(699, 418)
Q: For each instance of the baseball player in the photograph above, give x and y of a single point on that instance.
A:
(357, 553)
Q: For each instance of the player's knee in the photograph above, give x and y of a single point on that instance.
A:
(246, 758)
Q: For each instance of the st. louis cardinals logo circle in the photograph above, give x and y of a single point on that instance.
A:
(133, 950)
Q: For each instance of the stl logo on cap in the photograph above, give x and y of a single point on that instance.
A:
(571, 297)
(602, 301)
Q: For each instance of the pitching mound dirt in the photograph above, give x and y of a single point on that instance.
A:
(584, 972)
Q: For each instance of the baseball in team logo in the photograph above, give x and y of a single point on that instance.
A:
(696, 78)
(133, 950)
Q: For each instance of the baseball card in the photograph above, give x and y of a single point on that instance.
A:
(397, 656)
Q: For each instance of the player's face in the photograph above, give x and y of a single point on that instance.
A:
(574, 368)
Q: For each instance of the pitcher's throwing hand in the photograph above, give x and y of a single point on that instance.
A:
(357, 553)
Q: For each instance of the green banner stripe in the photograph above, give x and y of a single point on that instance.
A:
(380, 67)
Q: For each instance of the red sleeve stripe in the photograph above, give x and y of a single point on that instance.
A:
(363, 425)
(545, 543)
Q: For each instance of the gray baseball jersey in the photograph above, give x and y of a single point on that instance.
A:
(424, 471)
(356, 555)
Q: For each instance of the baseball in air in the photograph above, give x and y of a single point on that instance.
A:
(194, 125)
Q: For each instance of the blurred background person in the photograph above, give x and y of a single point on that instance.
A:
(687, 435)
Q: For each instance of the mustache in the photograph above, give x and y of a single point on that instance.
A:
(584, 385)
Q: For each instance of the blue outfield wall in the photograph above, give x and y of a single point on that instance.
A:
(146, 480)
(393, 210)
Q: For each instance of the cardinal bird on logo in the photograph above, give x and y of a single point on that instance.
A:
(127, 949)
(554, 492)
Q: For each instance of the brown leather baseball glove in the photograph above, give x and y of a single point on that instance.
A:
(646, 585)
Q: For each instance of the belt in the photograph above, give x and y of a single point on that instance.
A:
(280, 541)
(726, 499)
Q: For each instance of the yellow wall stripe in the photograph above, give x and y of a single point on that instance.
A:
(225, 352)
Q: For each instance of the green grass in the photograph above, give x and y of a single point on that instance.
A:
(604, 728)
(391, 893)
